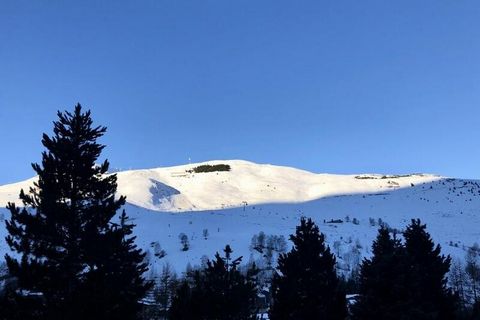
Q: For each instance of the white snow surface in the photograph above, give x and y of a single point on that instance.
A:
(173, 189)
(237, 204)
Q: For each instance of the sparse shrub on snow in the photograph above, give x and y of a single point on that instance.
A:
(157, 250)
(184, 241)
(211, 168)
(258, 242)
(205, 234)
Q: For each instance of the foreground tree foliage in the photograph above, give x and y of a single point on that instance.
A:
(382, 281)
(218, 292)
(405, 281)
(429, 297)
(74, 262)
(306, 285)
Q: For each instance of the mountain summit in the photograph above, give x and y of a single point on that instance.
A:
(232, 200)
(180, 188)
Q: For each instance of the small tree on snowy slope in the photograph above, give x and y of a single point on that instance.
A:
(80, 263)
(305, 285)
(184, 241)
(165, 289)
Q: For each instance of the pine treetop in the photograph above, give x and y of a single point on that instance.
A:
(72, 254)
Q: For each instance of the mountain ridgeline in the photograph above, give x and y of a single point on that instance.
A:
(69, 241)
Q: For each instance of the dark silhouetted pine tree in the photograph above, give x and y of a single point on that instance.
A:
(185, 303)
(79, 263)
(115, 287)
(405, 281)
(475, 312)
(218, 292)
(382, 291)
(428, 295)
(306, 285)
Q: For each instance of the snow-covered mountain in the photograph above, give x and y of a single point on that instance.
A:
(234, 205)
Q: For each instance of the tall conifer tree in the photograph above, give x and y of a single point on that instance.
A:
(306, 285)
(382, 290)
(218, 292)
(428, 294)
(71, 255)
(405, 281)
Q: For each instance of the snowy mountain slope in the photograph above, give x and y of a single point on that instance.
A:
(235, 205)
(173, 189)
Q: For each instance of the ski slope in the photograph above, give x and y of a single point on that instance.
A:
(235, 205)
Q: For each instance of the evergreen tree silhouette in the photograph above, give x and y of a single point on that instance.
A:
(306, 285)
(428, 295)
(72, 257)
(382, 290)
(405, 281)
(218, 292)
(185, 303)
(475, 311)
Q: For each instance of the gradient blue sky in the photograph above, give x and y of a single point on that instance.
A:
(327, 86)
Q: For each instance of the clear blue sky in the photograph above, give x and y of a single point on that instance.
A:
(327, 86)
